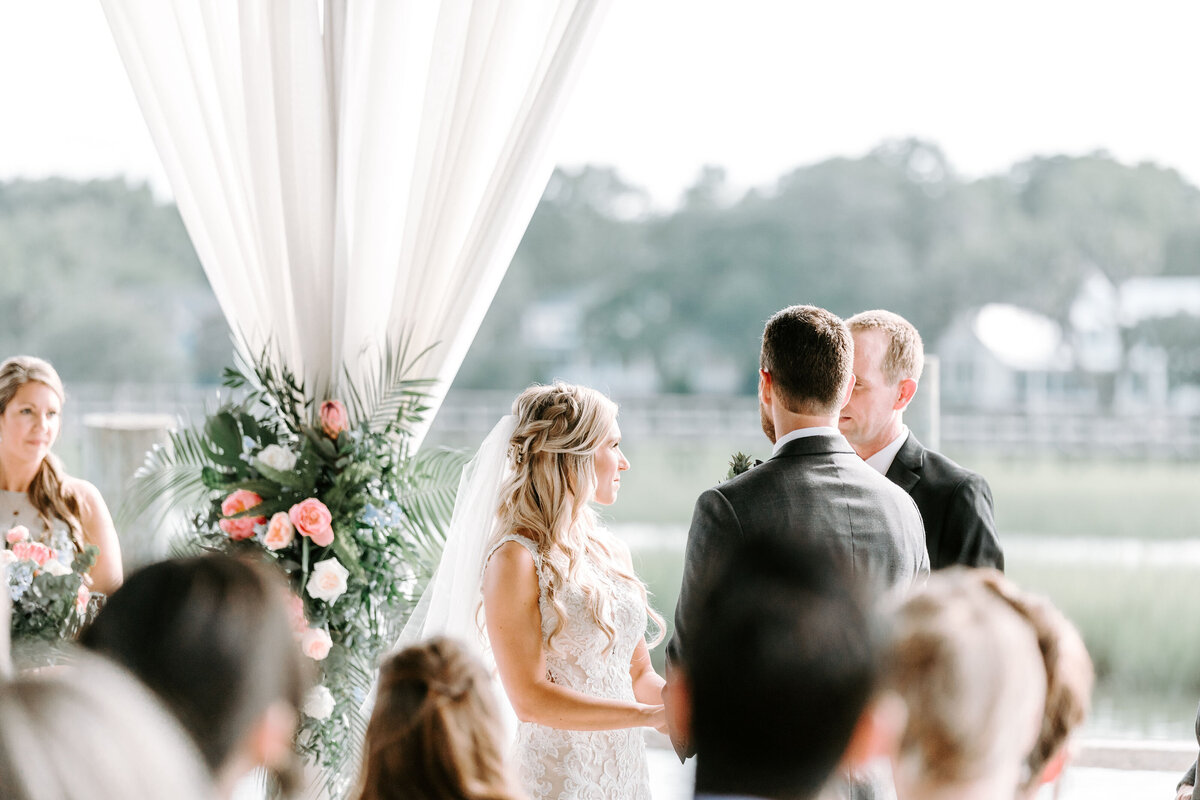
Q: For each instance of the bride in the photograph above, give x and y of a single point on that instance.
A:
(565, 616)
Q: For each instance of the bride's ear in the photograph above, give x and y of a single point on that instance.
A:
(877, 732)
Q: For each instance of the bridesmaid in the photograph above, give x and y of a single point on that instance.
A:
(57, 509)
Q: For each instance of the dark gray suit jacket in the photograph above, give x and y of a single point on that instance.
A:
(955, 504)
(817, 489)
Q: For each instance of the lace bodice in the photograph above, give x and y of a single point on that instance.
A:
(597, 765)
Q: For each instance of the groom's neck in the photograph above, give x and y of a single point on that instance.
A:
(786, 422)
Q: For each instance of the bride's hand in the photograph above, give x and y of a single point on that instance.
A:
(654, 716)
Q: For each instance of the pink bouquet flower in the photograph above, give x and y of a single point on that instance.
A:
(312, 519)
(334, 418)
(241, 527)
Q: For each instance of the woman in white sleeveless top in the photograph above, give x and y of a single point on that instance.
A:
(35, 492)
(565, 616)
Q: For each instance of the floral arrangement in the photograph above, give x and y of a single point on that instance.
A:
(50, 597)
(334, 497)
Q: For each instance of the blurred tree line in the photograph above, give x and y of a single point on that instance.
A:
(101, 278)
(896, 229)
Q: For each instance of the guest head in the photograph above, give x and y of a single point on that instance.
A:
(31, 400)
(888, 361)
(435, 733)
(211, 636)
(564, 453)
(969, 669)
(92, 732)
(1069, 679)
(805, 369)
(778, 687)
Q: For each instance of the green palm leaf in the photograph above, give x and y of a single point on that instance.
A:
(428, 484)
(389, 395)
(169, 479)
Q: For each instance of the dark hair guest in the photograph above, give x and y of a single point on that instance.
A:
(210, 636)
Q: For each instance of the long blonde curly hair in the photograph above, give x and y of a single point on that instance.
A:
(552, 454)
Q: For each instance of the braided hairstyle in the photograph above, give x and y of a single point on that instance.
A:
(46, 492)
(435, 733)
(552, 451)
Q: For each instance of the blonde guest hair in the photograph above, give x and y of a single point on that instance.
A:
(559, 428)
(905, 354)
(1069, 671)
(969, 669)
(46, 492)
(435, 732)
(91, 732)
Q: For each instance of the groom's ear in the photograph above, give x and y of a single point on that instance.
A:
(765, 387)
(849, 390)
(908, 388)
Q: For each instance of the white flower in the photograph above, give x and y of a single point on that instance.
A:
(56, 568)
(7, 557)
(318, 703)
(277, 458)
(328, 580)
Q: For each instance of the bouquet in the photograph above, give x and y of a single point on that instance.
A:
(330, 493)
(50, 598)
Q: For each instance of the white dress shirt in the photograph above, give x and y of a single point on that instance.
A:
(882, 461)
(800, 433)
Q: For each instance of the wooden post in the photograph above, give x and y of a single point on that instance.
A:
(923, 415)
(114, 446)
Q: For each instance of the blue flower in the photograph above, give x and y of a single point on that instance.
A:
(395, 517)
(370, 515)
(20, 578)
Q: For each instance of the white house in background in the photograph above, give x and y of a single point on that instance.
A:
(1003, 358)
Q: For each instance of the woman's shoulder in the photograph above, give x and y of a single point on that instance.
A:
(83, 491)
(521, 539)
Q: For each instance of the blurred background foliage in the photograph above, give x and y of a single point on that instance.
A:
(102, 279)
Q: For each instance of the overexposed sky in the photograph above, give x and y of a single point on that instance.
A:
(758, 86)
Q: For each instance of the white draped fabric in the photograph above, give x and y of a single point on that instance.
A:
(354, 171)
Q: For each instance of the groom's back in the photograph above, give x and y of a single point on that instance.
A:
(816, 489)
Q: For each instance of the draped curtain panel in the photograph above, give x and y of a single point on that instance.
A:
(354, 171)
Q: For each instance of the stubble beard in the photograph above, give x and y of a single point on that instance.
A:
(768, 424)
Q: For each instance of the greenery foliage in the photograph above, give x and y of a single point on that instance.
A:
(375, 514)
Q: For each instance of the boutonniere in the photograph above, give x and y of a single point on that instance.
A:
(739, 463)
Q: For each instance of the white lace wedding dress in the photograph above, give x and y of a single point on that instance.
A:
(585, 765)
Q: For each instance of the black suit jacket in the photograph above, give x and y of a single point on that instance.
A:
(956, 506)
(817, 489)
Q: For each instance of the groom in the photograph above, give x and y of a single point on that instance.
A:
(814, 488)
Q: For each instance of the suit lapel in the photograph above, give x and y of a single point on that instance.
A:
(906, 467)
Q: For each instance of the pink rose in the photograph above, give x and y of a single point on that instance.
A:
(242, 527)
(280, 532)
(334, 418)
(312, 519)
(18, 533)
(296, 614)
(36, 552)
(316, 644)
(81, 598)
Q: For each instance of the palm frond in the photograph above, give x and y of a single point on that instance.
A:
(428, 486)
(169, 479)
(389, 395)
